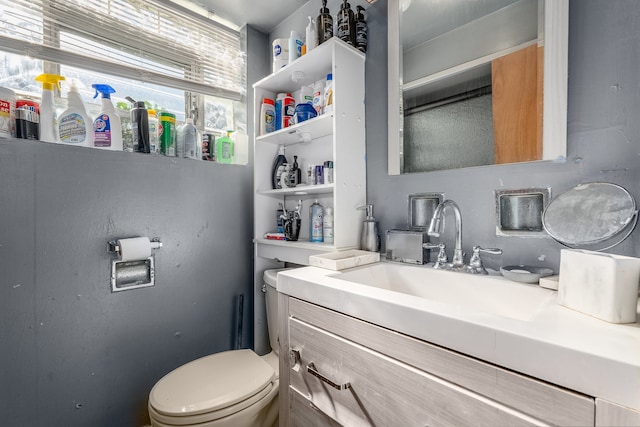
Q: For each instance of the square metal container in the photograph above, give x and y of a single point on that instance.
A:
(406, 246)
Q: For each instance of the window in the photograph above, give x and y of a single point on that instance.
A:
(152, 50)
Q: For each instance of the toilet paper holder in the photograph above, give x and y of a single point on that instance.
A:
(134, 266)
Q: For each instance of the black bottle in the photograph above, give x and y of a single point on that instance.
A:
(324, 24)
(361, 30)
(346, 24)
(140, 128)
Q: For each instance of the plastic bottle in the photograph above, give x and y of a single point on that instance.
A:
(140, 127)
(318, 96)
(295, 46)
(188, 140)
(346, 24)
(75, 126)
(48, 117)
(327, 226)
(324, 24)
(328, 95)
(277, 162)
(288, 110)
(315, 222)
(107, 131)
(361, 30)
(154, 139)
(306, 95)
(278, 108)
(7, 113)
(267, 116)
(167, 133)
(311, 39)
(224, 148)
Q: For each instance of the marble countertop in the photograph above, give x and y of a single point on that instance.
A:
(553, 343)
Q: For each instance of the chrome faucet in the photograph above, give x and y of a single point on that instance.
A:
(435, 228)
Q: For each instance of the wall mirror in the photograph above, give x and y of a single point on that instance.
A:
(476, 82)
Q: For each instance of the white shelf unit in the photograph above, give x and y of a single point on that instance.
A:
(338, 137)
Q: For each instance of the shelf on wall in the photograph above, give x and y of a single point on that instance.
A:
(300, 190)
(300, 132)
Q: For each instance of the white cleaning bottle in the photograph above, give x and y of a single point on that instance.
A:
(310, 35)
(75, 127)
(107, 130)
(48, 118)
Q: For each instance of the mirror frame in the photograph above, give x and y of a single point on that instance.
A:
(554, 126)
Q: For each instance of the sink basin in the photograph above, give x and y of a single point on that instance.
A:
(493, 295)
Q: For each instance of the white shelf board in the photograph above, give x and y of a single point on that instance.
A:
(299, 190)
(300, 244)
(306, 131)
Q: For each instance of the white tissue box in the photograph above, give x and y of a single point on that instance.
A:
(600, 285)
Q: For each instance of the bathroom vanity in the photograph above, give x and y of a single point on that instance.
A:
(372, 354)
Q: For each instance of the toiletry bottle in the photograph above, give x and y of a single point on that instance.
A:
(140, 127)
(166, 133)
(225, 149)
(277, 162)
(48, 117)
(107, 131)
(318, 96)
(324, 24)
(310, 35)
(295, 46)
(7, 113)
(189, 134)
(327, 225)
(361, 30)
(278, 109)
(75, 126)
(370, 237)
(154, 140)
(328, 95)
(315, 222)
(306, 95)
(295, 168)
(346, 24)
(267, 116)
(288, 110)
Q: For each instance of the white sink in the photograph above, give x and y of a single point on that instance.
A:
(482, 294)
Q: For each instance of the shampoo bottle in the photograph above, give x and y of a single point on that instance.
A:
(324, 24)
(75, 126)
(327, 226)
(346, 24)
(277, 162)
(328, 95)
(310, 35)
(48, 118)
(295, 46)
(107, 130)
(361, 30)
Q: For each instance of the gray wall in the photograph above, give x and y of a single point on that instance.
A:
(603, 135)
(75, 354)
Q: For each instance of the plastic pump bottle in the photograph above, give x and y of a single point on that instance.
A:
(346, 24)
(107, 130)
(48, 118)
(324, 24)
(75, 127)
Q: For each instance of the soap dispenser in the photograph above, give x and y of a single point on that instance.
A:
(370, 238)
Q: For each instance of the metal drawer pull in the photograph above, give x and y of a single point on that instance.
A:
(311, 368)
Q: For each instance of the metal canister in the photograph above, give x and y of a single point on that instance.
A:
(167, 132)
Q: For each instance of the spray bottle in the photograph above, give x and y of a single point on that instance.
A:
(75, 126)
(48, 118)
(107, 130)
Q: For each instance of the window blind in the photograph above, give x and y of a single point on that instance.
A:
(148, 40)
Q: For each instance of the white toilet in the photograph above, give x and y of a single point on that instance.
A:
(234, 388)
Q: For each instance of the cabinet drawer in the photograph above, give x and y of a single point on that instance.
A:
(384, 391)
(540, 400)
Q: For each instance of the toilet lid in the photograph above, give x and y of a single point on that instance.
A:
(211, 383)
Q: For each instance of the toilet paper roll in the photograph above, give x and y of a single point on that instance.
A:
(135, 248)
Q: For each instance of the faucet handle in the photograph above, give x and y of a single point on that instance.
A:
(475, 263)
(442, 260)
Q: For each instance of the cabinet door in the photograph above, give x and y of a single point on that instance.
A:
(383, 391)
(303, 413)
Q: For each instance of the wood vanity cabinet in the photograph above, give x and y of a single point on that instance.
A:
(397, 380)
(609, 414)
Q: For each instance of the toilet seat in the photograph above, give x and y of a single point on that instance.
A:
(212, 387)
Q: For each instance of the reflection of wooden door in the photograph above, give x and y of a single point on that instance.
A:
(517, 105)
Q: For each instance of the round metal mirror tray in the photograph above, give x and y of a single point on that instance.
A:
(525, 273)
(589, 213)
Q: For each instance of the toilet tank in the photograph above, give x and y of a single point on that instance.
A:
(271, 298)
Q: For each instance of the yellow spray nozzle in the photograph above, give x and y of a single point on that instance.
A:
(49, 81)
